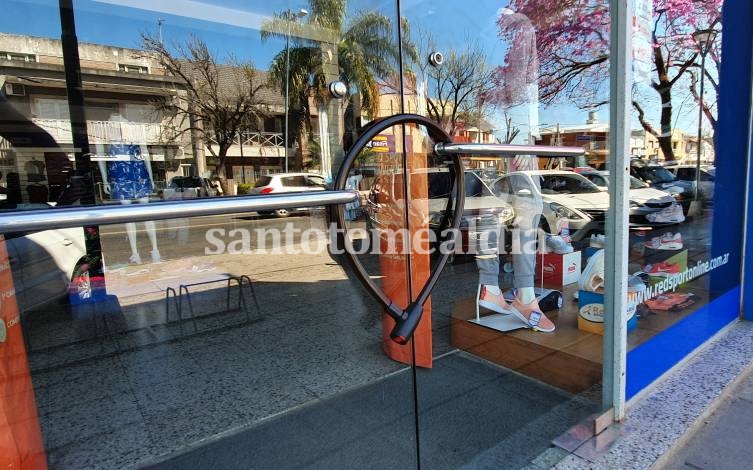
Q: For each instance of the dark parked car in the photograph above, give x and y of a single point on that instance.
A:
(659, 177)
(688, 173)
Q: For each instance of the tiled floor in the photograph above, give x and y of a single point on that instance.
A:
(123, 387)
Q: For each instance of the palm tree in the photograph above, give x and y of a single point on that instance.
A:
(330, 47)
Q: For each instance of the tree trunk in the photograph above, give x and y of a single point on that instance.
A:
(221, 171)
(665, 137)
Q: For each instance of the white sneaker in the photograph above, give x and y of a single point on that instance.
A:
(668, 241)
(155, 256)
(558, 244)
(135, 259)
(598, 240)
(670, 214)
(592, 277)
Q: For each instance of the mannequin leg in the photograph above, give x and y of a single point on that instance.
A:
(132, 241)
(487, 261)
(524, 264)
(151, 232)
(131, 231)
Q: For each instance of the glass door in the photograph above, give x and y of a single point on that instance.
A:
(191, 331)
(516, 363)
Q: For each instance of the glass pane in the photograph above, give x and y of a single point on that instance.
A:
(511, 350)
(684, 269)
(232, 340)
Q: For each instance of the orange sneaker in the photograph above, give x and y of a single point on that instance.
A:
(493, 302)
(531, 315)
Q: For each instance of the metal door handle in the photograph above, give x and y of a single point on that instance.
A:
(508, 150)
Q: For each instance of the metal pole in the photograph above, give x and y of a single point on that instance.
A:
(700, 121)
(287, 93)
(616, 260)
(77, 216)
(75, 91)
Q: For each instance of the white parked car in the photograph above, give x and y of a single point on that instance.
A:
(649, 206)
(564, 194)
(287, 183)
(43, 263)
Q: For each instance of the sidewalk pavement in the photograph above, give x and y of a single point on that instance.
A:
(723, 440)
(698, 416)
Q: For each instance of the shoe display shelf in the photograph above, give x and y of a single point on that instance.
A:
(568, 358)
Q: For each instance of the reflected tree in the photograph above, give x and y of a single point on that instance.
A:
(455, 92)
(216, 100)
(328, 45)
(572, 43)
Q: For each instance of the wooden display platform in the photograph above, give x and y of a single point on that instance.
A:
(568, 358)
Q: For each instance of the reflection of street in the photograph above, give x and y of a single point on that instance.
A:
(317, 334)
(180, 238)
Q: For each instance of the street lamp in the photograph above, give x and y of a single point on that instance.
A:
(299, 14)
(704, 39)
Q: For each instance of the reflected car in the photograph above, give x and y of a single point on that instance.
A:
(483, 210)
(687, 173)
(189, 187)
(649, 207)
(661, 178)
(43, 262)
(287, 183)
(564, 194)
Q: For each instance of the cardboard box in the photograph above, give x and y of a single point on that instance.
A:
(558, 269)
(591, 313)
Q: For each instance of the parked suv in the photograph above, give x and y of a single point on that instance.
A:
(287, 183)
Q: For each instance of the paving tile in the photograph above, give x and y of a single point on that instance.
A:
(725, 443)
(79, 422)
(120, 448)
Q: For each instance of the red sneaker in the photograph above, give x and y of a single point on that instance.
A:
(662, 269)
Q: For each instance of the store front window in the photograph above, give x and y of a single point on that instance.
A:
(690, 264)
(212, 308)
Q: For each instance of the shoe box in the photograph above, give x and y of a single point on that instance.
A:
(558, 269)
(591, 313)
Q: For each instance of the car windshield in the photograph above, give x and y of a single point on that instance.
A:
(316, 181)
(567, 184)
(596, 178)
(263, 181)
(656, 174)
(185, 182)
(440, 185)
(635, 183)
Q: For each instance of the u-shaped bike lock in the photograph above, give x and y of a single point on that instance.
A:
(406, 320)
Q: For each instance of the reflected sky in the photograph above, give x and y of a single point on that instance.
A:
(230, 27)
